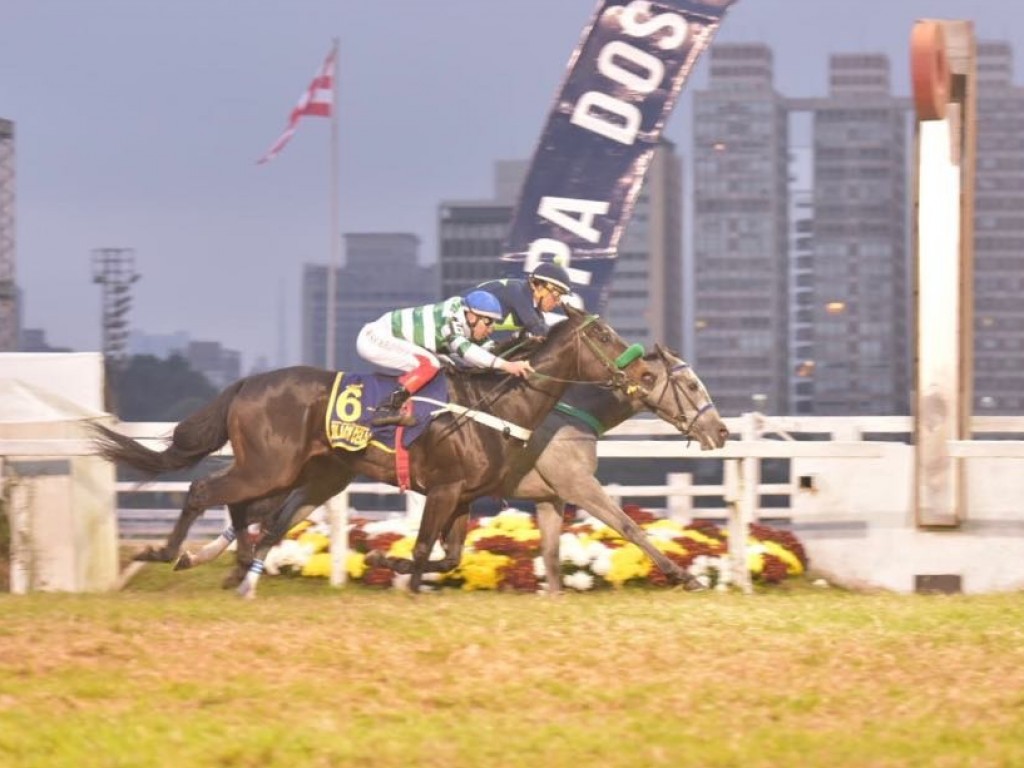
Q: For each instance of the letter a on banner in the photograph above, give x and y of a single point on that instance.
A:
(624, 79)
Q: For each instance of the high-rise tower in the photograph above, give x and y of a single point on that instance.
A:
(9, 331)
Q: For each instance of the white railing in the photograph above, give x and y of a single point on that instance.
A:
(740, 489)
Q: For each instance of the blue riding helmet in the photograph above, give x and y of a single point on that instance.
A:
(553, 275)
(483, 304)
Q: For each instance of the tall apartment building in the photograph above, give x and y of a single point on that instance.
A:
(381, 273)
(645, 300)
(858, 350)
(999, 235)
(740, 233)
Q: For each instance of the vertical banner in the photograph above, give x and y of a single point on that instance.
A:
(624, 79)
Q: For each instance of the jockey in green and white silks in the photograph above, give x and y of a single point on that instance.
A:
(410, 339)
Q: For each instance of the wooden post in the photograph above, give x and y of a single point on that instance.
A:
(337, 515)
(943, 74)
(680, 500)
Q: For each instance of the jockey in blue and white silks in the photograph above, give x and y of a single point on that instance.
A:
(526, 304)
(410, 339)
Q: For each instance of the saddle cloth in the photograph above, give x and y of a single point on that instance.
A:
(353, 403)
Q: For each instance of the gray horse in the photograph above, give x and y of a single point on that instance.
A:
(560, 462)
(557, 466)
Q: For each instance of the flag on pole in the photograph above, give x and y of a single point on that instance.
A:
(317, 101)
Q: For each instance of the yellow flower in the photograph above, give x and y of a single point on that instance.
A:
(295, 530)
(673, 527)
(402, 548)
(628, 562)
(793, 565)
(482, 570)
(668, 545)
(318, 565)
(698, 536)
(755, 557)
(355, 564)
(317, 542)
(511, 520)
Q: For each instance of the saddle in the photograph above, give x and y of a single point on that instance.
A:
(352, 421)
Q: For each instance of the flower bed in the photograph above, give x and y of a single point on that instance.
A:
(503, 552)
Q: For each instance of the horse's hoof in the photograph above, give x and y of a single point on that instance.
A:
(232, 580)
(184, 562)
(150, 555)
(695, 583)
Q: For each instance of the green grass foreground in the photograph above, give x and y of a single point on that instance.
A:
(176, 672)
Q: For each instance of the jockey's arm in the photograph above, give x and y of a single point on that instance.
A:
(477, 356)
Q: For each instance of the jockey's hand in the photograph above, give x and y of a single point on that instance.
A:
(520, 368)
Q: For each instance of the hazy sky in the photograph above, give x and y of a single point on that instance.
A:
(138, 124)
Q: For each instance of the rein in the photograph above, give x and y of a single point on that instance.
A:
(617, 379)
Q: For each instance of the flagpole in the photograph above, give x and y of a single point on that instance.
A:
(335, 263)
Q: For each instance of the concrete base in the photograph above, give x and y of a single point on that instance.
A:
(880, 553)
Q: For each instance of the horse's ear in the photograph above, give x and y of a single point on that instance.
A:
(662, 353)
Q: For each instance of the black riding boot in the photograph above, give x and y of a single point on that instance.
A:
(390, 411)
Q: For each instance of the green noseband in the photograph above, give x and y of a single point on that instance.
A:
(633, 352)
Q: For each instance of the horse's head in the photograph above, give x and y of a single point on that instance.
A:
(588, 350)
(680, 398)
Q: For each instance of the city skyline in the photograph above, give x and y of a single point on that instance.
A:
(142, 146)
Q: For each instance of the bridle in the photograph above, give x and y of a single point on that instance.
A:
(676, 419)
(614, 367)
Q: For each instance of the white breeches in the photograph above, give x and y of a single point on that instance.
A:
(377, 345)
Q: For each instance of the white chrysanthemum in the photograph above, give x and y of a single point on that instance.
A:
(538, 568)
(288, 554)
(396, 525)
(515, 514)
(574, 552)
(596, 549)
(581, 581)
(602, 562)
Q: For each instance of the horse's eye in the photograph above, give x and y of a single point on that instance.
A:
(648, 378)
(693, 386)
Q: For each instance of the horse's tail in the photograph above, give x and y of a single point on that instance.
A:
(194, 439)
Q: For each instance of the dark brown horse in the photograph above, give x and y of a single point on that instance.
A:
(557, 466)
(274, 422)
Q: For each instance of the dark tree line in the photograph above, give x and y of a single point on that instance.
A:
(146, 388)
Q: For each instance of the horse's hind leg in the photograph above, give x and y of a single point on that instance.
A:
(195, 505)
(549, 523)
(325, 481)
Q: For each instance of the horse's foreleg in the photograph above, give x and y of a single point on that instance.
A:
(589, 494)
(442, 503)
(549, 523)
